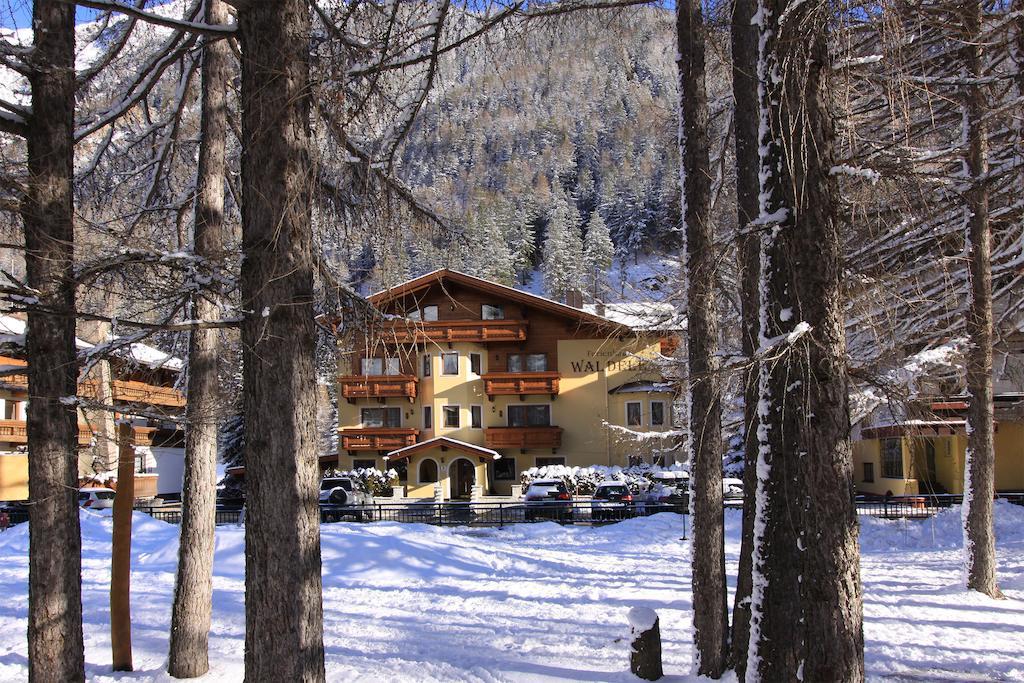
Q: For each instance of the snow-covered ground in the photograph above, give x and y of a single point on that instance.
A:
(535, 602)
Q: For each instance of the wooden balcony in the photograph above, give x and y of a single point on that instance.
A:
(523, 437)
(449, 331)
(520, 383)
(377, 386)
(126, 391)
(377, 438)
(16, 431)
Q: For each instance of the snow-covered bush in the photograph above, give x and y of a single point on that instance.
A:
(376, 482)
(582, 481)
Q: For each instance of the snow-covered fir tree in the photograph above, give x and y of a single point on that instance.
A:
(598, 253)
(563, 247)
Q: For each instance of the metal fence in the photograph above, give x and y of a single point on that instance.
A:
(499, 514)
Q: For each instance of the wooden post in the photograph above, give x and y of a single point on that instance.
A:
(645, 654)
(121, 561)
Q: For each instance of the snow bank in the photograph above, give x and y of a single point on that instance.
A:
(941, 531)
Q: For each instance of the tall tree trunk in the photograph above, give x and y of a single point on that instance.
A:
(283, 615)
(745, 119)
(193, 590)
(710, 611)
(121, 552)
(55, 650)
(806, 610)
(979, 464)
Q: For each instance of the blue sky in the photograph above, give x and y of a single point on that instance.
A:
(18, 14)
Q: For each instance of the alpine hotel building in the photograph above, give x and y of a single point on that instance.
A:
(462, 383)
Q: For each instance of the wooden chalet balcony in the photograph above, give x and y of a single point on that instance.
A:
(523, 437)
(377, 438)
(127, 391)
(16, 431)
(520, 383)
(441, 331)
(377, 386)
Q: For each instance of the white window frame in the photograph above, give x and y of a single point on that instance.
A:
(458, 416)
(419, 471)
(663, 414)
(479, 407)
(457, 363)
(640, 405)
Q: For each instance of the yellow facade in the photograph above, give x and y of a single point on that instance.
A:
(13, 476)
(583, 408)
(939, 459)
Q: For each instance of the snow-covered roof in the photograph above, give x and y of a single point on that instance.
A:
(12, 331)
(646, 315)
(442, 441)
(642, 387)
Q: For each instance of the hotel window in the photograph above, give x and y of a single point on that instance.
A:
(657, 413)
(427, 313)
(426, 365)
(428, 417)
(449, 363)
(492, 312)
(364, 464)
(381, 417)
(529, 416)
(892, 459)
(380, 366)
(451, 417)
(428, 472)
(529, 362)
(869, 472)
(476, 417)
(634, 414)
(505, 469)
(550, 460)
(475, 363)
(10, 410)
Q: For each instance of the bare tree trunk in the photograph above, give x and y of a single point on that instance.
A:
(121, 552)
(55, 650)
(193, 590)
(806, 611)
(979, 464)
(710, 611)
(745, 119)
(283, 616)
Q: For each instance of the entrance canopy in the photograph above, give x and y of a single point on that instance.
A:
(444, 443)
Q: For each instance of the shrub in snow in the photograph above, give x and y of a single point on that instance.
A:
(376, 482)
(583, 481)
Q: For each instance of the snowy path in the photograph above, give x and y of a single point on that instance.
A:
(535, 602)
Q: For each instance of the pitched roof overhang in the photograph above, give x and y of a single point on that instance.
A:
(439, 277)
(444, 443)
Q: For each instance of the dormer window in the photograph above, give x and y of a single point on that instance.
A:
(380, 366)
(426, 314)
(492, 312)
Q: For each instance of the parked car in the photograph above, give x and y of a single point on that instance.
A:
(611, 500)
(343, 496)
(676, 495)
(732, 489)
(96, 498)
(548, 499)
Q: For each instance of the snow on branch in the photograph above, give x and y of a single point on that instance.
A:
(149, 17)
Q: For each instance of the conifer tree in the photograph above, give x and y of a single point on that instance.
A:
(598, 253)
(563, 247)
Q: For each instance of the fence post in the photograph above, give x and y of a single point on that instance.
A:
(121, 552)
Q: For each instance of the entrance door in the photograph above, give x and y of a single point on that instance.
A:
(463, 478)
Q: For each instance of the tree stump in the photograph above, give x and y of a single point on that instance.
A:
(645, 654)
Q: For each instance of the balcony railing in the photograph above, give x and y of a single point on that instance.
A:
(377, 438)
(377, 386)
(127, 391)
(523, 437)
(521, 383)
(440, 331)
(16, 431)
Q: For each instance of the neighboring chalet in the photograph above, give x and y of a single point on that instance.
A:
(138, 381)
(923, 451)
(462, 383)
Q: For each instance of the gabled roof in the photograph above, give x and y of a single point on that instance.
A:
(444, 274)
(442, 442)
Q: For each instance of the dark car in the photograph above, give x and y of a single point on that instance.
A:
(611, 500)
(548, 499)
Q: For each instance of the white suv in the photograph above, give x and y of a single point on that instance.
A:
(96, 498)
